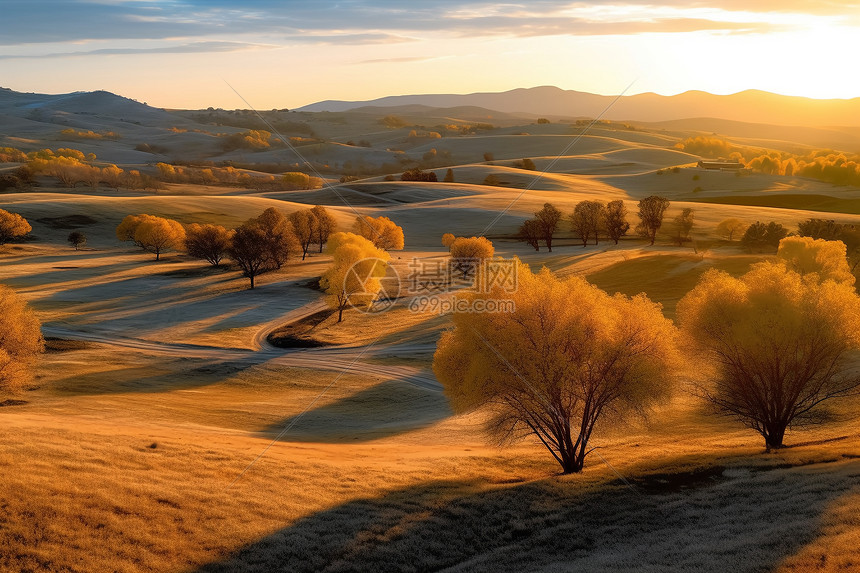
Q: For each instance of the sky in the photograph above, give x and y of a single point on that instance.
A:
(271, 54)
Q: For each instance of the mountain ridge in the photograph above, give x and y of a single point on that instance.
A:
(752, 106)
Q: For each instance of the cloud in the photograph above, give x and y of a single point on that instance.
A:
(383, 21)
(193, 48)
(397, 60)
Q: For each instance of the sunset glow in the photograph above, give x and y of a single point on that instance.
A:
(287, 54)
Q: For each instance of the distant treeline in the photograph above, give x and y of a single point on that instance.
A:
(823, 164)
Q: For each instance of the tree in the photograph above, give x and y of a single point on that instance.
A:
(77, 239)
(731, 228)
(826, 229)
(548, 218)
(587, 219)
(208, 242)
(777, 343)
(381, 231)
(418, 175)
(531, 232)
(651, 210)
(552, 368)
(251, 250)
(760, 236)
(615, 220)
(127, 227)
(281, 241)
(469, 252)
(326, 225)
(353, 279)
(682, 225)
(447, 239)
(449, 176)
(20, 340)
(826, 259)
(305, 228)
(151, 233)
(12, 226)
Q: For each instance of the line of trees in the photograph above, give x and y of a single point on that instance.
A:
(259, 245)
(593, 219)
(772, 347)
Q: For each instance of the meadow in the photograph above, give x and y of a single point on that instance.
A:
(163, 431)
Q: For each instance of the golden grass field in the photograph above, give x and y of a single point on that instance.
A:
(162, 432)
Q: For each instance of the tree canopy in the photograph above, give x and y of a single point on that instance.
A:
(20, 340)
(651, 211)
(12, 226)
(555, 369)
(353, 279)
(381, 231)
(777, 344)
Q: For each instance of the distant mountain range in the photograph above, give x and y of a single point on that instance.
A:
(748, 106)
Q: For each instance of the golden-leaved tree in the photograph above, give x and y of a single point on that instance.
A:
(806, 255)
(381, 231)
(12, 226)
(353, 279)
(731, 229)
(469, 252)
(566, 357)
(153, 234)
(777, 343)
(20, 340)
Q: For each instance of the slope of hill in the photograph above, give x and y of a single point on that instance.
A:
(749, 106)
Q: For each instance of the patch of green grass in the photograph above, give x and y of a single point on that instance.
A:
(665, 278)
(809, 202)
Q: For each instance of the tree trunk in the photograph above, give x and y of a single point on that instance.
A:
(773, 437)
(252, 281)
(340, 314)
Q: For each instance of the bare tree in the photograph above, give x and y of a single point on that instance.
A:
(587, 220)
(651, 210)
(530, 232)
(615, 220)
(548, 218)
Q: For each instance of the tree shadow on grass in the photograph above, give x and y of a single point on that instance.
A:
(386, 409)
(142, 380)
(738, 524)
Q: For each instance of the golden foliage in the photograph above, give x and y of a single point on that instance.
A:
(151, 233)
(706, 146)
(826, 259)
(777, 342)
(731, 229)
(471, 248)
(353, 279)
(20, 340)
(447, 239)
(12, 226)
(381, 231)
(567, 356)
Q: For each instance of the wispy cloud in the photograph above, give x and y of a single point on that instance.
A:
(192, 48)
(398, 60)
(388, 21)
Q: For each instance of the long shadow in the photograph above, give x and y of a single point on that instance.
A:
(140, 380)
(389, 408)
(738, 524)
